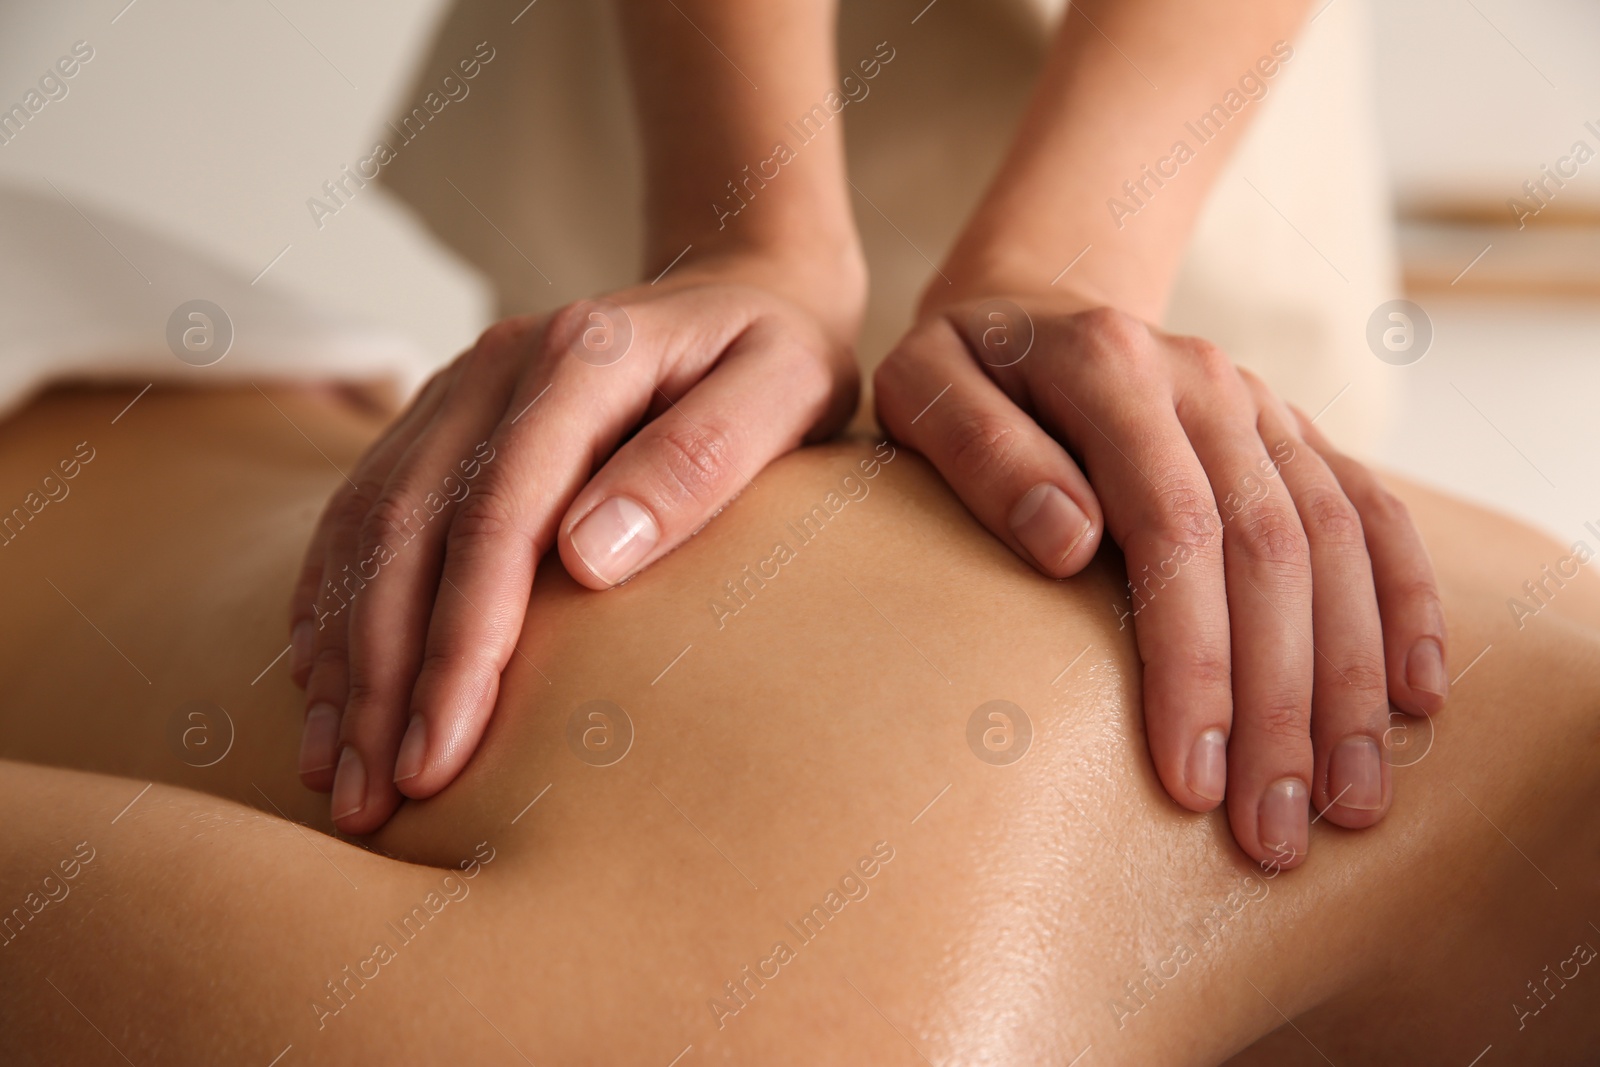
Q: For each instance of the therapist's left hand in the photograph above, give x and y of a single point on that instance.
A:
(1280, 596)
(414, 588)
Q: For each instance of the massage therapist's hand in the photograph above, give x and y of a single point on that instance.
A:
(611, 430)
(1280, 596)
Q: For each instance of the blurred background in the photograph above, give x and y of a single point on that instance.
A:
(184, 157)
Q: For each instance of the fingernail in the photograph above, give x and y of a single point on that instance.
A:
(349, 784)
(320, 741)
(1282, 821)
(301, 638)
(1355, 774)
(1208, 764)
(412, 748)
(614, 537)
(1048, 524)
(1425, 668)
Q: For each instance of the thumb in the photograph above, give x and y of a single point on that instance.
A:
(1013, 476)
(768, 393)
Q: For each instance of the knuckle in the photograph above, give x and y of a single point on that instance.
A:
(1270, 533)
(1420, 592)
(354, 502)
(1330, 519)
(436, 381)
(303, 601)
(364, 697)
(902, 374)
(936, 330)
(329, 676)
(1210, 362)
(1386, 509)
(804, 353)
(809, 366)
(330, 659)
(387, 517)
(1187, 516)
(465, 664)
(564, 329)
(892, 376)
(505, 342)
(695, 460)
(1364, 672)
(1105, 340)
(362, 690)
(507, 333)
(1108, 327)
(1208, 668)
(1283, 718)
(437, 385)
(979, 444)
(1263, 396)
(487, 514)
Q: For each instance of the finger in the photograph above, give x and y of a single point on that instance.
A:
(530, 466)
(328, 684)
(1108, 394)
(342, 507)
(1012, 475)
(1350, 783)
(764, 396)
(302, 616)
(492, 547)
(1269, 594)
(767, 391)
(512, 517)
(327, 672)
(396, 573)
(1414, 638)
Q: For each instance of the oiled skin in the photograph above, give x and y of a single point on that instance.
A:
(827, 716)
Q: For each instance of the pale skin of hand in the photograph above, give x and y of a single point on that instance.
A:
(1282, 598)
(403, 620)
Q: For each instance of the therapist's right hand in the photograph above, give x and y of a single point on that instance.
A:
(612, 430)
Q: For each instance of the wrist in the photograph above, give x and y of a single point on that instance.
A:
(1068, 280)
(827, 278)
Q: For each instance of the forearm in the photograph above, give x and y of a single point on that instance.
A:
(1135, 113)
(738, 163)
(187, 927)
